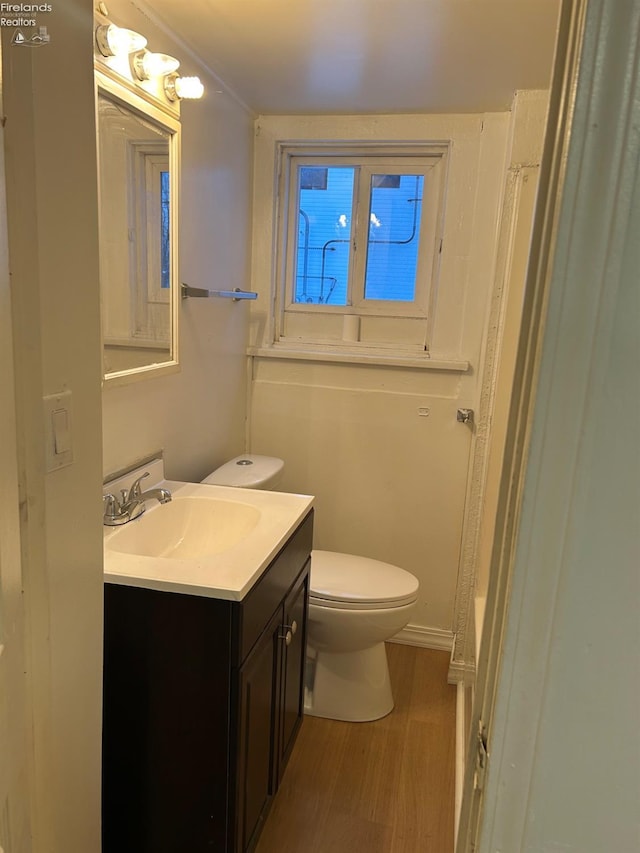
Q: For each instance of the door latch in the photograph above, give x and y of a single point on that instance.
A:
(465, 416)
(482, 757)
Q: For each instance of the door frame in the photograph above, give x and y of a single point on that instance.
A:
(588, 140)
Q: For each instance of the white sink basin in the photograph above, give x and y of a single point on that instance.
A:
(187, 528)
(212, 541)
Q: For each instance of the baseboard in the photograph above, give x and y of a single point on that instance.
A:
(461, 671)
(461, 743)
(427, 638)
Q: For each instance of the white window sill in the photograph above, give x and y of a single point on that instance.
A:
(372, 356)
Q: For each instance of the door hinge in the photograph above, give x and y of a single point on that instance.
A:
(482, 757)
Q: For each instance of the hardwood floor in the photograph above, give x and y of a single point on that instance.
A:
(380, 787)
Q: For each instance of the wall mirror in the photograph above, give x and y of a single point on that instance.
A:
(138, 163)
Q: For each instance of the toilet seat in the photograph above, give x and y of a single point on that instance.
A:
(349, 582)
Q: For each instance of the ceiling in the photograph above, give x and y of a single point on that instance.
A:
(368, 56)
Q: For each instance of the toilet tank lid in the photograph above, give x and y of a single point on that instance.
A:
(346, 577)
(246, 471)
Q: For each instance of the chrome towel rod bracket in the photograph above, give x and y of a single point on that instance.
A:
(236, 294)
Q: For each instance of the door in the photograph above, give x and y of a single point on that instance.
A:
(293, 659)
(15, 762)
(259, 677)
(487, 728)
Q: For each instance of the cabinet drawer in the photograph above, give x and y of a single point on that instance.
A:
(267, 595)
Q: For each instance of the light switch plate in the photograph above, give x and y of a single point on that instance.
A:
(58, 423)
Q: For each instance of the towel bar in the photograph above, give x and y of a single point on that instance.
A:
(235, 294)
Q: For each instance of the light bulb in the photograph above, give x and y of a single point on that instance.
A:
(147, 65)
(183, 87)
(115, 41)
(189, 87)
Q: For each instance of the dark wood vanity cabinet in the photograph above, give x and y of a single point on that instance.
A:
(203, 700)
(271, 696)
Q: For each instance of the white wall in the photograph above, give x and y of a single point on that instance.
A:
(53, 256)
(197, 416)
(389, 483)
(16, 740)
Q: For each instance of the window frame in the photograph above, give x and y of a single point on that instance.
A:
(428, 159)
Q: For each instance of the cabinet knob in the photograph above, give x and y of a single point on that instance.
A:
(287, 638)
(290, 631)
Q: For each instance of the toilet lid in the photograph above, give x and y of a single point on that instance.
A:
(247, 471)
(359, 581)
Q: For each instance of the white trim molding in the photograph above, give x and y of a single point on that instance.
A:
(461, 672)
(529, 111)
(427, 638)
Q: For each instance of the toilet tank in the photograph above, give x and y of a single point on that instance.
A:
(248, 471)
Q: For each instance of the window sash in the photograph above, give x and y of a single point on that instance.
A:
(418, 305)
(293, 241)
(429, 168)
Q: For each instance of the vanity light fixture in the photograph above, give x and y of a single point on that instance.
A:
(147, 64)
(116, 41)
(183, 87)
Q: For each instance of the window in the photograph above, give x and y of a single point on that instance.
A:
(165, 230)
(150, 252)
(360, 241)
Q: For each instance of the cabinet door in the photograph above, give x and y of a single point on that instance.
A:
(258, 680)
(166, 747)
(293, 660)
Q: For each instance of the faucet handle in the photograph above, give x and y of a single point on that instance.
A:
(110, 506)
(135, 491)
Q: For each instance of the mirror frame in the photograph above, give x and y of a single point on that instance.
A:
(167, 117)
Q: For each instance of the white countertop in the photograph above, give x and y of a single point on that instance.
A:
(230, 574)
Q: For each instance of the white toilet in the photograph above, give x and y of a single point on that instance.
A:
(355, 604)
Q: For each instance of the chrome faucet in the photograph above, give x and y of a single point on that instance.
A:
(131, 504)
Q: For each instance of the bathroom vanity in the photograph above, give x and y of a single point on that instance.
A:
(203, 700)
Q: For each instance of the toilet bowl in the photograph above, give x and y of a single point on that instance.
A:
(355, 605)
